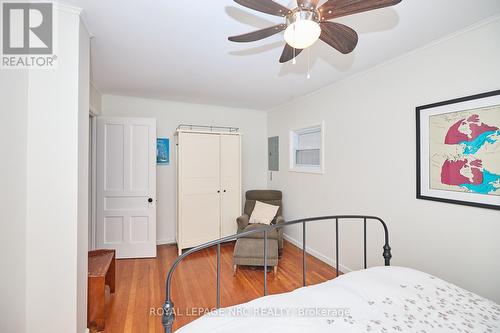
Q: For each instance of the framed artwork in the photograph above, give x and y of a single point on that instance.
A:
(162, 151)
(458, 151)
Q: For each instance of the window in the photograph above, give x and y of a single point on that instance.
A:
(306, 149)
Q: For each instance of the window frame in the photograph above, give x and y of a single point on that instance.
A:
(293, 135)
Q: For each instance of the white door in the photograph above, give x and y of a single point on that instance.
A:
(199, 190)
(126, 186)
(230, 183)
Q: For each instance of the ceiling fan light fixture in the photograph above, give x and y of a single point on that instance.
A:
(303, 29)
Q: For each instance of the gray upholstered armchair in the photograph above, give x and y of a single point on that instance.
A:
(270, 197)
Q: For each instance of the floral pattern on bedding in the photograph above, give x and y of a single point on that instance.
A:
(443, 307)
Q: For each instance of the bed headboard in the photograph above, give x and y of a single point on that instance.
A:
(168, 308)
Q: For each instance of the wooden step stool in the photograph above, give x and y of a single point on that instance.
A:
(101, 272)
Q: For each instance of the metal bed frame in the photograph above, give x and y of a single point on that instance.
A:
(168, 316)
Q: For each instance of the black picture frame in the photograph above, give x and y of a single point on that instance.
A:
(419, 157)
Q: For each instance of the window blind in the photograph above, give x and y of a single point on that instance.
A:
(308, 147)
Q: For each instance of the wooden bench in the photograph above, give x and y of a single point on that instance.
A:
(101, 272)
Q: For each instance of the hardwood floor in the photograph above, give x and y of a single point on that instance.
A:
(140, 290)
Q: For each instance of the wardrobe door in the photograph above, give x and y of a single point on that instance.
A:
(230, 183)
(199, 177)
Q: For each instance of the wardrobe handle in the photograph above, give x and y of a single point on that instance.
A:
(224, 191)
(218, 191)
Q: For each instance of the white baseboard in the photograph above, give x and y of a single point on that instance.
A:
(165, 241)
(87, 330)
(317, 254)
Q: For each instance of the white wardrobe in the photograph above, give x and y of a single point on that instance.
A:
(208, 186)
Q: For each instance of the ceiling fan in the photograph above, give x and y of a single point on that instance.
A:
(307, 23)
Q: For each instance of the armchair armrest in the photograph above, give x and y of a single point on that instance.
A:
(279, 220)
(242, 221)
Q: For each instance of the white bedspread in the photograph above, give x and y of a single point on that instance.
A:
(379, 299)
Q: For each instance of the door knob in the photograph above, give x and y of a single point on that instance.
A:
(150, 200)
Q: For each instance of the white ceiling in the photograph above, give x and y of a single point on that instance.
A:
(178, 50)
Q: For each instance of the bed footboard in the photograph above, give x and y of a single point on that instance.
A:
(168, 308)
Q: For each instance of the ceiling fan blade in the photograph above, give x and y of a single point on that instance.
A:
(265, 6)
(289, 53)
(338, 8)
(307, 3)
(339, 36)
(258, 35)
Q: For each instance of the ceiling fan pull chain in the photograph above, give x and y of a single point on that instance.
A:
(308, 63)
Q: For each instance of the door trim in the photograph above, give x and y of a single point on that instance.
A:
(93, 180)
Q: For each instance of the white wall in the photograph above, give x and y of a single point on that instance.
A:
(370, 163)
(13, 126)
(253, 125)
(57, 138)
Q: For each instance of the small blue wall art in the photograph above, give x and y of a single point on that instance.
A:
(163, 151)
